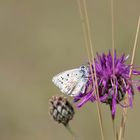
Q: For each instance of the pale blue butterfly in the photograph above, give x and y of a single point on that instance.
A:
(72, 82)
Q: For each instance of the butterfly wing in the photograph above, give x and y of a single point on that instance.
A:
(68, 80)
(80, 87)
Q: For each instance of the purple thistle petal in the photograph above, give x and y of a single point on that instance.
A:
(85, 99)
(93, 99)
(108, 81)
(135, 72)
(114, 104)
(130, 97)
(138, 87)
(103, 98)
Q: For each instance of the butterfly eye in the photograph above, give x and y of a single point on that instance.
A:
(83, 67)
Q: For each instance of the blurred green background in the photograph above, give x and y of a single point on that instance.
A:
(40, 38)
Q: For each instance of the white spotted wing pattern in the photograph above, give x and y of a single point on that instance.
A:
(72, 82)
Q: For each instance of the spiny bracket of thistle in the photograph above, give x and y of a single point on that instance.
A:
(61, 110)
(113, 85)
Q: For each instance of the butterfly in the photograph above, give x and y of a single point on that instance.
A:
(72, 82)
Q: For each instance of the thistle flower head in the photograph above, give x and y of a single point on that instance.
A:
(113, 81)
(61, 110)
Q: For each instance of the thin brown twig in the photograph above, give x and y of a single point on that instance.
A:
(135, 45)
(84, 30)
(112, 29)
(124, 115)
(113, 51)
(130, 73)
(93, 76)
(88, 43)
(123, 121)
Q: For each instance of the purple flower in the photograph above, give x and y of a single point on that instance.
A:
(113, 84)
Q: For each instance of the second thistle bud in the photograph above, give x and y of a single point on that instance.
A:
(61, 110)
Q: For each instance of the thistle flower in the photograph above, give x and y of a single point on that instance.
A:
(113, 84)
(61, 110)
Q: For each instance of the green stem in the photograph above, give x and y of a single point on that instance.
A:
(71, 132)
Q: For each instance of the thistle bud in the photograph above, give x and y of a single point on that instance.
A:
(61, 110)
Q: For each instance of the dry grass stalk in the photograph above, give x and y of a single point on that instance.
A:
(88, 44)
(113, 50)
(124, 114)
